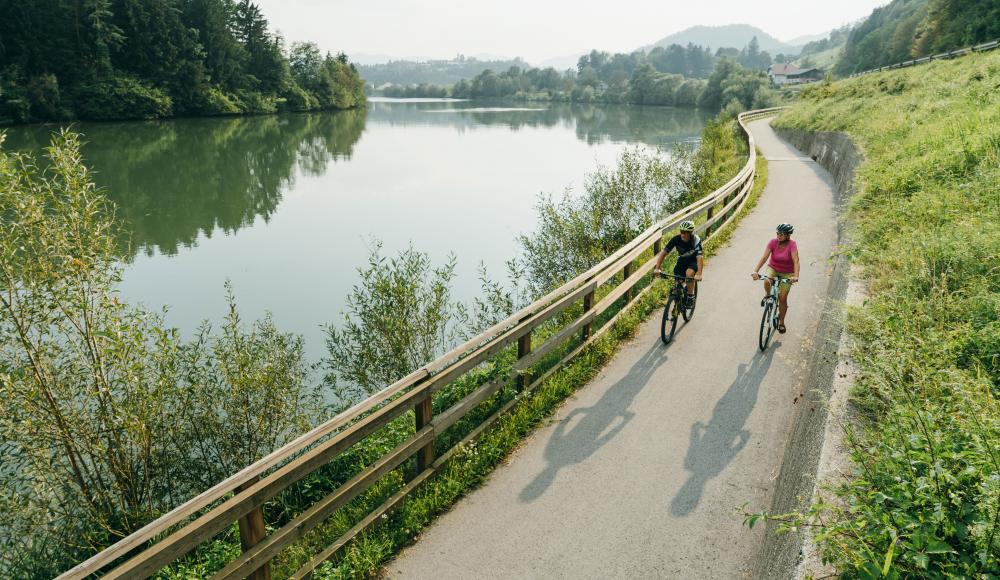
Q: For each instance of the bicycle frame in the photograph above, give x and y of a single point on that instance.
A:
(769, 321)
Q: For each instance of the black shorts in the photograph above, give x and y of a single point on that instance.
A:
(681, 268)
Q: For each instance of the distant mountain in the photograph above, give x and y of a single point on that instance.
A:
(806, 39)
(729, 35)
(367, 59)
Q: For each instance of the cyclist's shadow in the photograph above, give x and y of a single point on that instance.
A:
(599, 423)
(713, 446)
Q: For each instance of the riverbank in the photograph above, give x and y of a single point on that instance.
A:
(926, 497)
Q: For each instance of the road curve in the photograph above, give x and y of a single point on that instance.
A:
(640, 473)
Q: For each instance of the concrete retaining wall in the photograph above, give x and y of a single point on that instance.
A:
(780, 554)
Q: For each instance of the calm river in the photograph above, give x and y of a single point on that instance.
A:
(287, 207)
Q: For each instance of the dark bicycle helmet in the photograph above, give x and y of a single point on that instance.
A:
(687, 226)
(785, 229)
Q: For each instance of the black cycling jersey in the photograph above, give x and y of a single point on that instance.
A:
(687, 252)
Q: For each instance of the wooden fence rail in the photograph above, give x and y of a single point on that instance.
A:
(241, 497)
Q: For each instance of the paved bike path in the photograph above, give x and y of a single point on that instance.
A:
(640, 473)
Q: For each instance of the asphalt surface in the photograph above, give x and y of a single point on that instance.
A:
(640, 475)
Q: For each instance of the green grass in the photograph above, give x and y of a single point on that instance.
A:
(925, 500)
(823, 60)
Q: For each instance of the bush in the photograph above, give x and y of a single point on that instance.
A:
(399, 318)
(578, 231)
(109, 418)
(216, 102)
(256, 103)
(121, 97)
(298, 99)
(43, 95)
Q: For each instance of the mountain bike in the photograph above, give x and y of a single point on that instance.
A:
(678, 306)
(769, 321)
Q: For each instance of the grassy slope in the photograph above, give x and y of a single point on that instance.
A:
(927, 214)
(824, 60)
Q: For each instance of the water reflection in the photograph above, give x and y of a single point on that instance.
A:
(175, 180)
(661, 127)
(284, 207)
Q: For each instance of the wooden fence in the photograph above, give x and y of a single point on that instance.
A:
(984, 47)
(241, 498)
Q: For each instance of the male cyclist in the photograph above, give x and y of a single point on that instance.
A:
(690, 262)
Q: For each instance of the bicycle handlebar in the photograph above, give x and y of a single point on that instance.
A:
(773, 279)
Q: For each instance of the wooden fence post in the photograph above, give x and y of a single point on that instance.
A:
(708, 217)
(625, 274)
(523, 350)
(252, 532)
(588, 303)
(424, 411)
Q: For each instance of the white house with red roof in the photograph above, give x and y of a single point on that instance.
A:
(786, 73)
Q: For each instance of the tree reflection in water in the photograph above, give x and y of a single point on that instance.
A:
(174, 180)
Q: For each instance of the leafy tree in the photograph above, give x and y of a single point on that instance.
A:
(577, 231)
(114, 59)
(106, 409)
(398, 318)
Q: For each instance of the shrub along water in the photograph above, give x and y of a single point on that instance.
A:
(925, 499)
(109, 419)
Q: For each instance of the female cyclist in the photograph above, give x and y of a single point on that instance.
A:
(783, 265)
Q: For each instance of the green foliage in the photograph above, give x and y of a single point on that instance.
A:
(906, 29)
(123, 59)
(576, 232)
(398, 318)
(926, 495)
(405, 73)
(216, 102)
(635, 78)
(106, 410)
(122, 97)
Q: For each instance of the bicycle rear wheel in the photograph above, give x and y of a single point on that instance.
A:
(668, 325)
(766, 329)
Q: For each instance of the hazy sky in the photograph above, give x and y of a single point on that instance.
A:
(536, 29)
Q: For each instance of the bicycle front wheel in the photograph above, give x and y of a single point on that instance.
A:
(688, 311)
(765, 326)
(668, 325)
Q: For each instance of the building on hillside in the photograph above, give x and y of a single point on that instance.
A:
(789, 74)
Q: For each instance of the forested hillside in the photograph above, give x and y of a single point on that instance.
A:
(123, 59)
(905, 29)
(434, 72)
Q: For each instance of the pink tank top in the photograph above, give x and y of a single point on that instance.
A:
(781, 256)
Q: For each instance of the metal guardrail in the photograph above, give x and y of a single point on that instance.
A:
(984, 47)
(241, 497)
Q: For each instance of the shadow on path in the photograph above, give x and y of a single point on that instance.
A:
(598, 425)
(713, 446)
